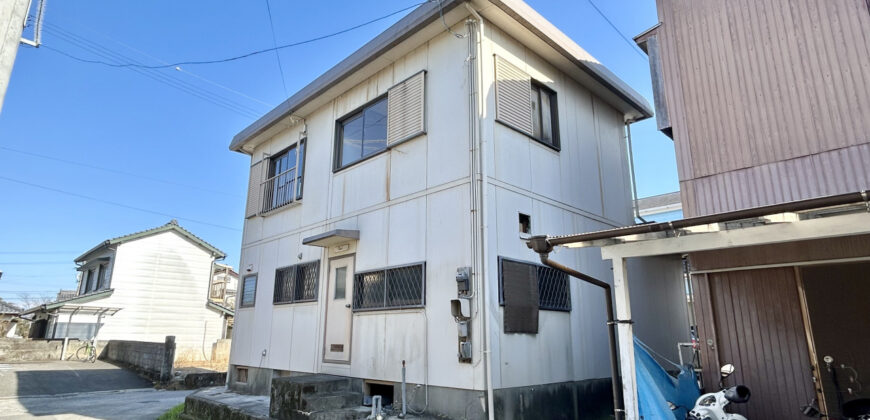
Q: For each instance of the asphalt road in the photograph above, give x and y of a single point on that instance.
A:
(76, 390)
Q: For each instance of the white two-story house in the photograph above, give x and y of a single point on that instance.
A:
(142, 287)
(387, 206)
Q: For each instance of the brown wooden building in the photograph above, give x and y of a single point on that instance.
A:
(768, 105)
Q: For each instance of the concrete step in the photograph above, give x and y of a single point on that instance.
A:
(311, 384)
(331, 400)
(339, 414)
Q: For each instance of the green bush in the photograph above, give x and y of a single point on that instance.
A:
(174, 413)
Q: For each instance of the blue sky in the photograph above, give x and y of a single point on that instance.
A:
(157, 140)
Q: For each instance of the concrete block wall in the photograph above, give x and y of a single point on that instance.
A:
(148, 357)
(27, 350)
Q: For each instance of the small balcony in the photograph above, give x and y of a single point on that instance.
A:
(281, 190)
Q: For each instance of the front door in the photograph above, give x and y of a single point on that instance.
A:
(339, 299)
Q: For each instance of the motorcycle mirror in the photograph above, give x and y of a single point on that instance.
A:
(726, 370)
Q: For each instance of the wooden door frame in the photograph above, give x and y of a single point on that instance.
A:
(326, 310)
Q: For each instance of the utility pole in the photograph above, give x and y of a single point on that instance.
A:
(13, 19)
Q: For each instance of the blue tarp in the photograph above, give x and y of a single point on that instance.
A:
(655, 387)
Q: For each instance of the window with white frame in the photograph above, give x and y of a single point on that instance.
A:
(249, 291)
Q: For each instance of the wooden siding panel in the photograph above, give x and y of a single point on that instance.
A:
(832, 172)
(756, 82)
(759, 328)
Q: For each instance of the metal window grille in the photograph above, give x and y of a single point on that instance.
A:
(390, 288)
(296, 283)
(554, 289)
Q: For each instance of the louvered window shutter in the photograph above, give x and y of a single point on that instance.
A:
(255, 190)
(406, 109)
(513, 90)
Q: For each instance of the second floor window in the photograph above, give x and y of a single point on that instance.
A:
(249, 291)
(217, 291)
(545, 125)
(361, 134)
(102, 277)
(284, 182)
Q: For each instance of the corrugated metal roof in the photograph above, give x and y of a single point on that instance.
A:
(172, 225)
(660, 200)
(89, 297)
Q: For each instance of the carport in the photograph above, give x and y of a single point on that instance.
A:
(816, 232)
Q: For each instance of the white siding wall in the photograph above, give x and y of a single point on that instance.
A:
(582, 187)
(410, 204)
(161, 283)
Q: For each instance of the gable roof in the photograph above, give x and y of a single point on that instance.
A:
(612, 89)
(171, 226)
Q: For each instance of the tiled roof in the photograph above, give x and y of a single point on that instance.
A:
(172, 225)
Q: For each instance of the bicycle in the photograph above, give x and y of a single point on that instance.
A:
(87, 352)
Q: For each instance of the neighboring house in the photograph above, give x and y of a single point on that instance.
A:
(66, 294)
(387, 204)
(224, 283)
(9, 319)
(660, 208)
(222, 292)
(767, 104)
(142, 287)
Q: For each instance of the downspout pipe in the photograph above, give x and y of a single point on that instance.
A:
(477, 80)
(540, 245)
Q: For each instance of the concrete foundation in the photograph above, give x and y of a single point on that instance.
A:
(259, 380)
(580, 400)
(587, 400)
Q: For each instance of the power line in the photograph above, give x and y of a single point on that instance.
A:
(35, 252)
(186, 87)
(99, 200)
(188, 72)
(116, 171)
(33, 262)
(275, 44)
(625, 38)
(238, 57)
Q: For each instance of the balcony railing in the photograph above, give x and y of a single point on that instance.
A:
(281, 189)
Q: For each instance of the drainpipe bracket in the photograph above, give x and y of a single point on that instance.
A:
(620, 321)
(539, 244)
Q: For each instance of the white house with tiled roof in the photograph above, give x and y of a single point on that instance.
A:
(142, 287)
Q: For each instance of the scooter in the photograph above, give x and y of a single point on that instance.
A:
(712, 406)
